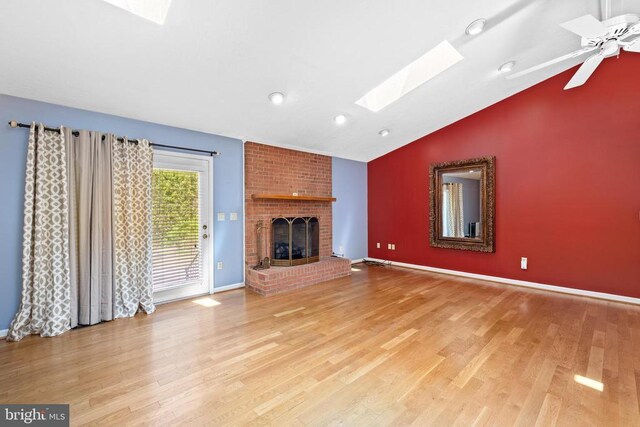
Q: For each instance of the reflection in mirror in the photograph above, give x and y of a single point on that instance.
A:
(461, 204)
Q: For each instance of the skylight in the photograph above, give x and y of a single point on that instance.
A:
(153, 10)
(410, 77)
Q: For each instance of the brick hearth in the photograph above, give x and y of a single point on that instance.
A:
(275, 280)
(274, 170)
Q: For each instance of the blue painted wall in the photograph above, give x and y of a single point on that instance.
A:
(228, 182)
(350, 209)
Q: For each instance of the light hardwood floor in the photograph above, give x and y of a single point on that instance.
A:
(388, 346)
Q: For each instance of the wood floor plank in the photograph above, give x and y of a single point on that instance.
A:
(386, 346)
(397, 340)
(548, 414)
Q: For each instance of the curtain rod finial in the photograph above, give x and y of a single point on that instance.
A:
(13, 124)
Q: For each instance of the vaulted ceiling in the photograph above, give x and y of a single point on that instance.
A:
(212, 65)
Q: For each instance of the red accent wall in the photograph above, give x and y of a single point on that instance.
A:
(567, 185)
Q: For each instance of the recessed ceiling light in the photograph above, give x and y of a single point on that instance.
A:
(340, 119)
(153, 10)
(507, 67)
(475, 27)
(276, 97)
(384, 132)
(410, 77)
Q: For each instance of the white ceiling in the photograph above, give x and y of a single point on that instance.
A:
(213, 63)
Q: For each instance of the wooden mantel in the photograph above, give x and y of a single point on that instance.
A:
(292, 197)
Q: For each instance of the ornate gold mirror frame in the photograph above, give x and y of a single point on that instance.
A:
(486, 167)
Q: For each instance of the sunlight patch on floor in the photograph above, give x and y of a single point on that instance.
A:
(206, 302)
(596, 385)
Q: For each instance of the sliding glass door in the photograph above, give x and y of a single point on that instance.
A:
(182, 218)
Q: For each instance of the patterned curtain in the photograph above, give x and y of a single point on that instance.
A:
(45, 305)
(132, 239)
(87, 231)
(453, 215)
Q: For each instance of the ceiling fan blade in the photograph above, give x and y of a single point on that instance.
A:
(586, 26)
(585, 71)
(633, 30)
(553, 61)
(633, 46)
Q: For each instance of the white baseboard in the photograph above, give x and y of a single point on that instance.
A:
(3, 333)
(228, 287)
(356, 261)
(552, 288)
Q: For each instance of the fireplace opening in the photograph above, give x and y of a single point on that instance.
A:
(295, 241)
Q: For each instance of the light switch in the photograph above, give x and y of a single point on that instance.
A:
(393, 246)
(220, 216)
(233, 216)
(388, 245)
(220, 265)
(523, 263)
(378, 245)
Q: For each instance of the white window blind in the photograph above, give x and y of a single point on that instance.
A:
(177, 207)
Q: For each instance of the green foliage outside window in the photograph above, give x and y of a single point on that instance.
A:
(175, 207)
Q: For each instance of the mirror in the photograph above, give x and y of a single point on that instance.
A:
(462, 204)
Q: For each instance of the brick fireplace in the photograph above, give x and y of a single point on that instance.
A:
(278, 171)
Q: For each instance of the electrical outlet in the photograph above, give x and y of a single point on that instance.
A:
(220, 216)
(523, 263)
(378, 245)
(220, 265)
(233, 216)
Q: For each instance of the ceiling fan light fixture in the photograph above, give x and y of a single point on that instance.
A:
(507, 67)
(475, 27)
(610, 47)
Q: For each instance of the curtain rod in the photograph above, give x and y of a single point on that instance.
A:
(15, 124)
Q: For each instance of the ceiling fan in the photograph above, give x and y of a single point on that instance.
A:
(604, 38)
